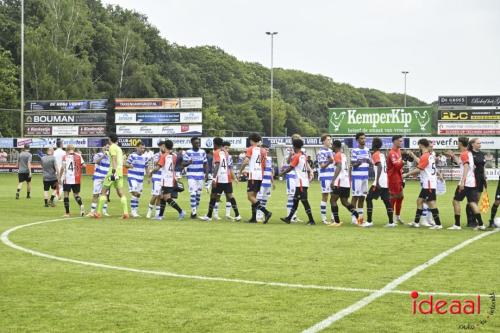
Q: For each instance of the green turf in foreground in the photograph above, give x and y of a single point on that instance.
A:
(41, 295)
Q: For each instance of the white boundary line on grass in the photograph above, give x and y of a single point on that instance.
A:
(392, 285)
(5, 239)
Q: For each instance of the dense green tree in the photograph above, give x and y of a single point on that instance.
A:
(82, 49)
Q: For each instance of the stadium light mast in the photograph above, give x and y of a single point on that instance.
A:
(22, 68)
(405, 73)
(272, 75)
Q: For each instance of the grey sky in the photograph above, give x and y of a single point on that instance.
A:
(449, 47)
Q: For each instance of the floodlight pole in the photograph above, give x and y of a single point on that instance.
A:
(405, 73)
(272, 76)
(22, 68)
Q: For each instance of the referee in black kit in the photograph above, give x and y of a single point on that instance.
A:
(479, 161)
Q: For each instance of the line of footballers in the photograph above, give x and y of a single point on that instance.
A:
(337, 178)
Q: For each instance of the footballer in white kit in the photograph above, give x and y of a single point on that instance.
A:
(303, 174)
(379, 189)
(341, 186)
(428, 178)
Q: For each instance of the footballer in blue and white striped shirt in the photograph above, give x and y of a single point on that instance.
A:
(101, 164)
(196, 164)
(360, 162)
(136, 164)
(326, 163)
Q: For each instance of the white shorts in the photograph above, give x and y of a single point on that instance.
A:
(290, 186)
(98, 186)
(359, 187)
(156, 188)
(195, 185)
(265, 192)
(134, 185)
(326, 185)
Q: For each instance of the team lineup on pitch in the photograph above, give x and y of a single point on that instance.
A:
(338, 175)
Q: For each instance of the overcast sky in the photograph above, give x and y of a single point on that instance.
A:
(450, 47)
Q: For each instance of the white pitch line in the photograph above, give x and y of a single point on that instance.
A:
(388, 288)
(5, 239)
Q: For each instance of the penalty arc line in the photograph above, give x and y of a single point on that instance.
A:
(390, 287)
(5, 239)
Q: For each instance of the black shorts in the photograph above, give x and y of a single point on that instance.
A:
(428, 194)
(168, 190)
(254, 185)
(468, 192)
(342, 192)
(497, 196)
(71, 187)
(49, 184)
(380, 192)
(222, 188)
(24, 177)
(300, 193)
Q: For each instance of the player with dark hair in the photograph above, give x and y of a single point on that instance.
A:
(428, 180)
(379, 188)
(255, 158)
(101, 163)
(326, 170)
(50, 174)
(136, 164)
(303, 177)
(223, 176)
(71, 174)
(166, 164)
(341, 186)
(24, 171)
(155, 175)
(395, 165)
(114, 177)
(467, 186)
(196, 164)
(360, 162)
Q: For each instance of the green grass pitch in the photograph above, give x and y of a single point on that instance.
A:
(42, 295)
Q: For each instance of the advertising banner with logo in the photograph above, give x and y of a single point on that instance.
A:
(158, 117)
(181, 130)
(380, 121)
(65, 118)
(65, 130)
(451, 142)
(206, 143)
(469, 115)
(132, 142)
(469, 128)
(158, 103)
(191, 103)
(38, 130)
(471, 101)
(36, 142)
(66, 105)
(6, 142)
(77, 142)
(236, 142)
(91, 130)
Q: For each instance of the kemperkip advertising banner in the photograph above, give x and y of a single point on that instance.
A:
(381, 121)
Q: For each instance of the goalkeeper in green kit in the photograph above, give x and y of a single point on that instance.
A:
(114, 177)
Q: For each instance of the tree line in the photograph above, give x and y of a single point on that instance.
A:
(81, 49)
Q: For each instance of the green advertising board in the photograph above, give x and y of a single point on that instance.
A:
(381, 121)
